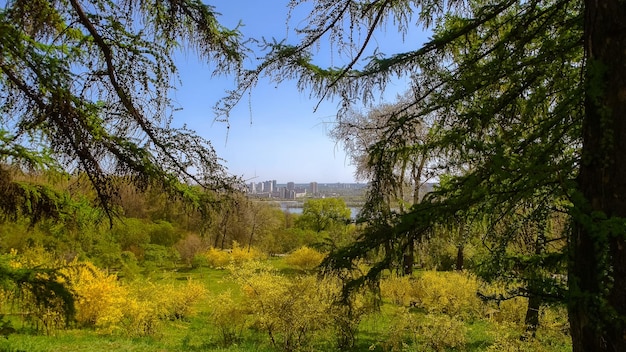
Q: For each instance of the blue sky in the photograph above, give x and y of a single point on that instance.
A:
(276, 134)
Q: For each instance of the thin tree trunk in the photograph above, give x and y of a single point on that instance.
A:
(597, 277)
(534, 300)
(459, 257)
(408, 259)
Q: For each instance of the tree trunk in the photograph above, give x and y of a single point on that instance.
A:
(534, 286)
(459, 257)
(597, 277)
(532, 315)
(409, 258)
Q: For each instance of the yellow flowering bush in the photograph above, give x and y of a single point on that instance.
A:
(399, 290)
(240, 254)
(291, 311)
(305, 258)
(452, 293)
(229, 317)
(100, 298)
(217, 258)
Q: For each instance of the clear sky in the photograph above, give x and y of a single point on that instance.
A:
(275, 134)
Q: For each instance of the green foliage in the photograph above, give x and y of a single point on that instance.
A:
(325, 214)
(229, 317)
(132, 236)
(95, 98)
(163, 233)
(39, 289)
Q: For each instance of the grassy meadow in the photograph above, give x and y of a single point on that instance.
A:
(242, 301)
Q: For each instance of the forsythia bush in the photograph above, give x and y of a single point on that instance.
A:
(229, 317)
(511, 310)
(181, 300)
(217, 258)
(289, 311)
(295, 312)
(433, 332)
(441, 332)
(104, 303)
(452, 293)
(399, 290)
(305, 258)
(149, 304)
(100, 298)
(240, 254)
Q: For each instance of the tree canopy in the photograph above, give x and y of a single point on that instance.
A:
(85, 84)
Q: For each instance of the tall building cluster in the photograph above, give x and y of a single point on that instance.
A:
(292, 190)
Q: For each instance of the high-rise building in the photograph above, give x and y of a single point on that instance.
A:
(268, 186)
(313, 187)
(291, 186)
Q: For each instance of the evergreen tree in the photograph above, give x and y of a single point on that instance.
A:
(85, 89)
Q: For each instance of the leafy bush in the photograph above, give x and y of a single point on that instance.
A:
(305, 258)
(229, 317)
(163, 233)
(100, 299)
(290, 311)
(400, 290)
(132, 235)
(216, 258)
(240, 254)
(452, 293)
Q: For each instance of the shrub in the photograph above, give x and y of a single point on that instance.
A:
(511, 310)
(433, 332)
(403, 330)
(163, 233)
(179, 301)
(441, 332)
(229, 317)
(100, 299)
(240, 254)
(305, 258)
(452, 293)
(399, 290)
(290, 311)
(189, 247)
(216, 258)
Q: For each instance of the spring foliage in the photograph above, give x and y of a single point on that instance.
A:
(305, 258)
